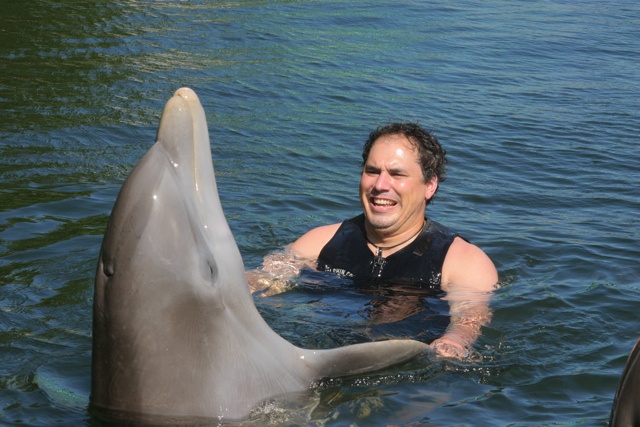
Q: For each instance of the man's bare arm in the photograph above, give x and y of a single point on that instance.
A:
(469, 279)
(279, 268)
(276, 272)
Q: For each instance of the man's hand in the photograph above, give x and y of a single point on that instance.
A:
(469, 312)
(450, 349)
(275, 274)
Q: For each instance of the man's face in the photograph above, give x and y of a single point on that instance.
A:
(392, 188)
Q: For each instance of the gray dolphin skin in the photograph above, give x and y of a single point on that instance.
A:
(176, 334)
(626, 405)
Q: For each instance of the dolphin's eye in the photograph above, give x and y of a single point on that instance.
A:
(107, 266)
(211, 271)
(108, 270)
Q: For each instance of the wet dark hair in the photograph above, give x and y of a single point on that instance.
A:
(431, 154)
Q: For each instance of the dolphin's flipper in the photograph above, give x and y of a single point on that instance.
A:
(365, 357)
(626, 405)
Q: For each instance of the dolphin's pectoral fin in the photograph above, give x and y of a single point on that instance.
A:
(365, 357)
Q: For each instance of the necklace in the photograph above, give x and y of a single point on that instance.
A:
(378, 261)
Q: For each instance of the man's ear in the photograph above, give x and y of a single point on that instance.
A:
(430, 188)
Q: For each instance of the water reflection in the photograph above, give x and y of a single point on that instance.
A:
(345, 313)
(60, 58)
(63, 56)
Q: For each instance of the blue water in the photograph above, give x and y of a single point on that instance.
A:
(537, 104)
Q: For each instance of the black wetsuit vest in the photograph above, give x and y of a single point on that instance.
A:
(418, 264)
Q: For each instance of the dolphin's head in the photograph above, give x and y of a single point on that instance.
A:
(169, 213)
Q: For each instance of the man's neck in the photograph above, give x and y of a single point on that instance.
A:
(392, 242)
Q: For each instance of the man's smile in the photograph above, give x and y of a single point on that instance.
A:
(376, 201)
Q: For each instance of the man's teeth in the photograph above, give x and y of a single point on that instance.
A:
(383, 202)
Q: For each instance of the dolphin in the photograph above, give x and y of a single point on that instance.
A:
(176, 334)
(626, 405)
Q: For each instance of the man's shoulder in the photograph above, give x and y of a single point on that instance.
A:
(310, 244)
(468, 265)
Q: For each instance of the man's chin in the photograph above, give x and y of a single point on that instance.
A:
(380, 222)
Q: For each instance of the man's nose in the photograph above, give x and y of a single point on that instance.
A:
(383, 181)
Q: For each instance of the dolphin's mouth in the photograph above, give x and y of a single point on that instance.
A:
(184, 136)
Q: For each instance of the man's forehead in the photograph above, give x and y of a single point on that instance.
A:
(399, 141)
(396, 138)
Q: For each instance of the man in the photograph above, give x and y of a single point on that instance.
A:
(393, 240)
